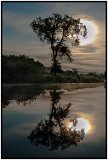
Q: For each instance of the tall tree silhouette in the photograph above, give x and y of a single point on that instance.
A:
(56, 30)
(53, 132)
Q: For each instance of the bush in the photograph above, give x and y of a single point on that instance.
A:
(59, 78)
(90, 79)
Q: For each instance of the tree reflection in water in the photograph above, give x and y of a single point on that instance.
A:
(53, 132)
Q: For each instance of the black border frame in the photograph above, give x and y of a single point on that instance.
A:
(105, 67)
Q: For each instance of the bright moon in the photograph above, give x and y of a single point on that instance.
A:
(82, 124)
(92, 31)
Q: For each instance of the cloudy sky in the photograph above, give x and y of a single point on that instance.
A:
(18, 38)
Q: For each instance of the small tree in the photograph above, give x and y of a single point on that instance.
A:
(56, 30)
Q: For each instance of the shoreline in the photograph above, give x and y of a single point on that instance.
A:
(58, 85)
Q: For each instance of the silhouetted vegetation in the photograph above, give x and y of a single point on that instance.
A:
(55, 31)
(14, 68)
(22, 69)
(53, 132)
(20, 94)
(28, 93)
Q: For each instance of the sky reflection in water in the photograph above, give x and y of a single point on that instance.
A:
(87, 108)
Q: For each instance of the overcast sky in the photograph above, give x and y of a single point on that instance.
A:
(18, 37)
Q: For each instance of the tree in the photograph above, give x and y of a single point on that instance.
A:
(56, 30)
(52, 132)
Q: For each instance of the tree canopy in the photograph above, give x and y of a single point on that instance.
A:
(47, 29)
(56, 30)
(52, 132)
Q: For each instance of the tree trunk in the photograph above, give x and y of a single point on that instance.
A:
(54, 61)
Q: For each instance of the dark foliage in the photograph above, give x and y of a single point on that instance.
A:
(56, 67)
(55, 31)
(21, 94)
(16, 68)
(53, 132)
(22, 69)
(14, 65)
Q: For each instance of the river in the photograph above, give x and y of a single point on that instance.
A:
(53, 121)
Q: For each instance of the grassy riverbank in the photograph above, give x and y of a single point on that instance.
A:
(22, 69)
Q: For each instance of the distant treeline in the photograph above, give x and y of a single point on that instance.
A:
(14, 65)
(22, 69)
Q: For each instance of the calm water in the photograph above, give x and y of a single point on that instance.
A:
(58, 121)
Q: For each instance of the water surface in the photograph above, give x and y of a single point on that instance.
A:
(53, 121)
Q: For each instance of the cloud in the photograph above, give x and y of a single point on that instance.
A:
(84, 67)
(88, 49)
(17, 21)
(89, 9)
(18, 37)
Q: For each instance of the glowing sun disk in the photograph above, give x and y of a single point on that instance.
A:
(82, 124)
(92, 31)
